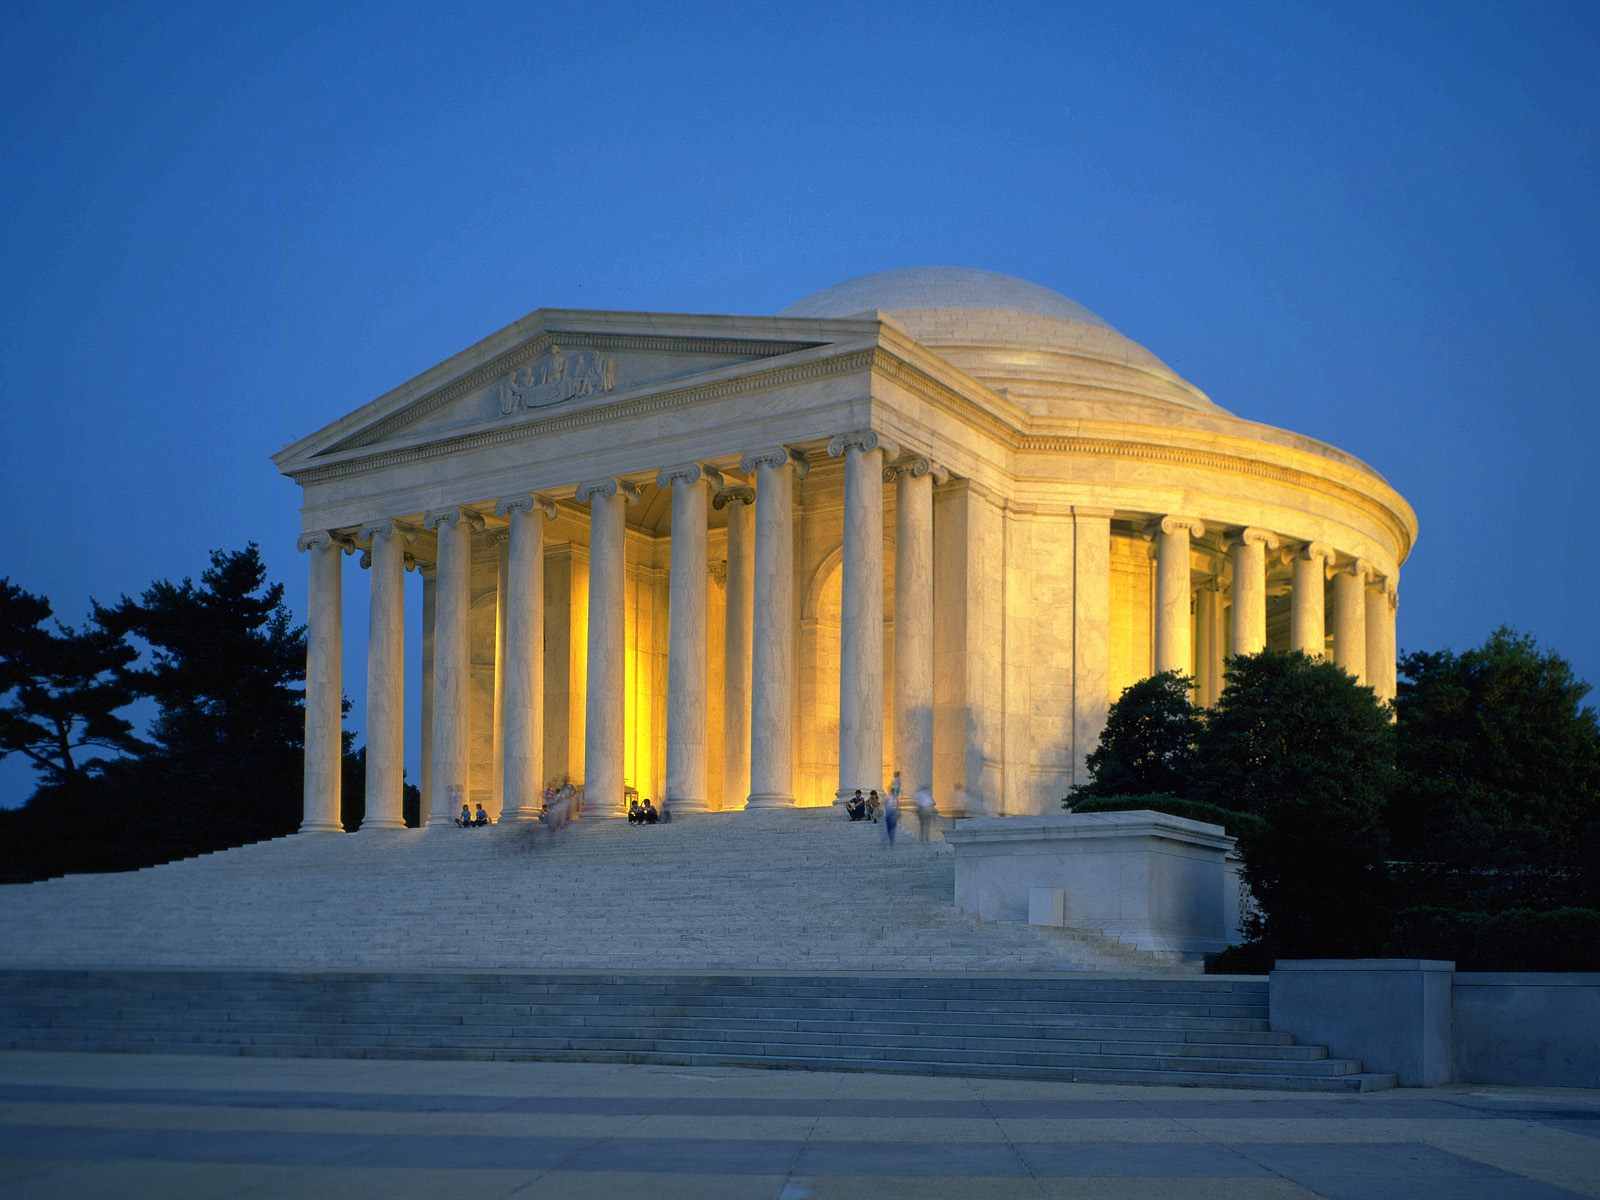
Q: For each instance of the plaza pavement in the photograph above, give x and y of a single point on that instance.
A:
(84, 1125)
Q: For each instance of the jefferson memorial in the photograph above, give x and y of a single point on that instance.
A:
(931, 520)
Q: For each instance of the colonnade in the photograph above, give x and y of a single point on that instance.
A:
(759, 681)
(1363, 618)
(759, 640)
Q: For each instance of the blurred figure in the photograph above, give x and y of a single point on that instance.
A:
(891, 817)
(924, 803)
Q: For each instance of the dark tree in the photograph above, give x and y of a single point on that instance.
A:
(1499, 759)
(62, 690)
(226, 670)
(1297, 742)
(1148, 745)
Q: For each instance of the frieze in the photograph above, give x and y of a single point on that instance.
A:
(556, 376)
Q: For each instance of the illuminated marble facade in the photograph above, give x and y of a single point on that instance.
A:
(1072, 515)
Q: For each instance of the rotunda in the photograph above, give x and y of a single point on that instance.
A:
(930, 520)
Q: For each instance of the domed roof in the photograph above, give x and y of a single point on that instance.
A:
(915, 288)
(1028, 341)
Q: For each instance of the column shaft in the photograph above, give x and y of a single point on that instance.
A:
(386, 711)
(772, 651)
(452, 665)
(324, 698)
(913, 626)
(1208, 656)
(1380, 655)
(1307, 618)
(1174, 644)
(497, 744)
(686, 641)
(430, 605)
(605, 708)
(1350, 620)
(739, 504)
(861, 616)
(522, 769)
(1248, 634)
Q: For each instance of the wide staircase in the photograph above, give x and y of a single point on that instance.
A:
(790, 938)
(792, 890)
(1198, 1032)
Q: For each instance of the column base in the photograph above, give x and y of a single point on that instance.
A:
(768, 800)
(311, 826)
(518, 816)
(382, 825)
(679, 805)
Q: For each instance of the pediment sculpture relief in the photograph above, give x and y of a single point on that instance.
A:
(557, 376)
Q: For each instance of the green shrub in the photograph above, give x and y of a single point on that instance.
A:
(1521, 939)
(1194, 810)
(1148, 744)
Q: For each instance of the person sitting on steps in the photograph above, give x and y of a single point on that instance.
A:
(480, 817)
(465, 819)
(651, 816)
(874, 806)
(856, 807)
(635, 813)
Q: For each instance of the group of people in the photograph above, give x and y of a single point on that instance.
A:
(646, 813)
(560, 805)
(470, 820)
(871, 808)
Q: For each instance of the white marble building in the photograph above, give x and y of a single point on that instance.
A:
(932, 519)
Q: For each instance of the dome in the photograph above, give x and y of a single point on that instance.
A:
(1034, 344)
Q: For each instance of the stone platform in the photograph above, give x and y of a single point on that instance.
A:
(793, 890)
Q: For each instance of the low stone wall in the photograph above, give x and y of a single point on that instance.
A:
(1152, 881)
(1430, 1024)
(1527, 1027)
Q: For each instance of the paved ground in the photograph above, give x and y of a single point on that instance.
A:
(78, 1125)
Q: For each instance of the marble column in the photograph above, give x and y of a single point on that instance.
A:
(861, 614)
(522, 759)
(1248, 634)
(686, 637)
(1380, 632)
(1208, 643)
(1350, 618)
(604, 712)
(738, 501)
(1307, 620)
(913, 622)
(452, 662)
(772, 651)
(386, 662)
(324, 697)
(501, 540)
(1091, 633)
(430, 604)
(1174, 644)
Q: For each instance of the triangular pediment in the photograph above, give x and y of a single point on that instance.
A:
(557, 362)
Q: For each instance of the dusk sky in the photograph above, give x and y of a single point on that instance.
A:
(224, 226)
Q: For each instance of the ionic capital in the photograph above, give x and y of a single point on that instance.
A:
(526, 502)
(1315, 551)
(1251, 536)
(605, 489)
(861, 439)
(914, 466)
(718, 572)
(776, 456)
(689, 473)
(1171, 524)
(500, 535)
(733, 493)
(1359, 567)
(457, 516)
(315, 539)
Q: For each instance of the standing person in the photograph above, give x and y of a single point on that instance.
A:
(924, 803)
(891, 816)
(896, 789)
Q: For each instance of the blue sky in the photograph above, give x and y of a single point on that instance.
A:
(223, 226)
